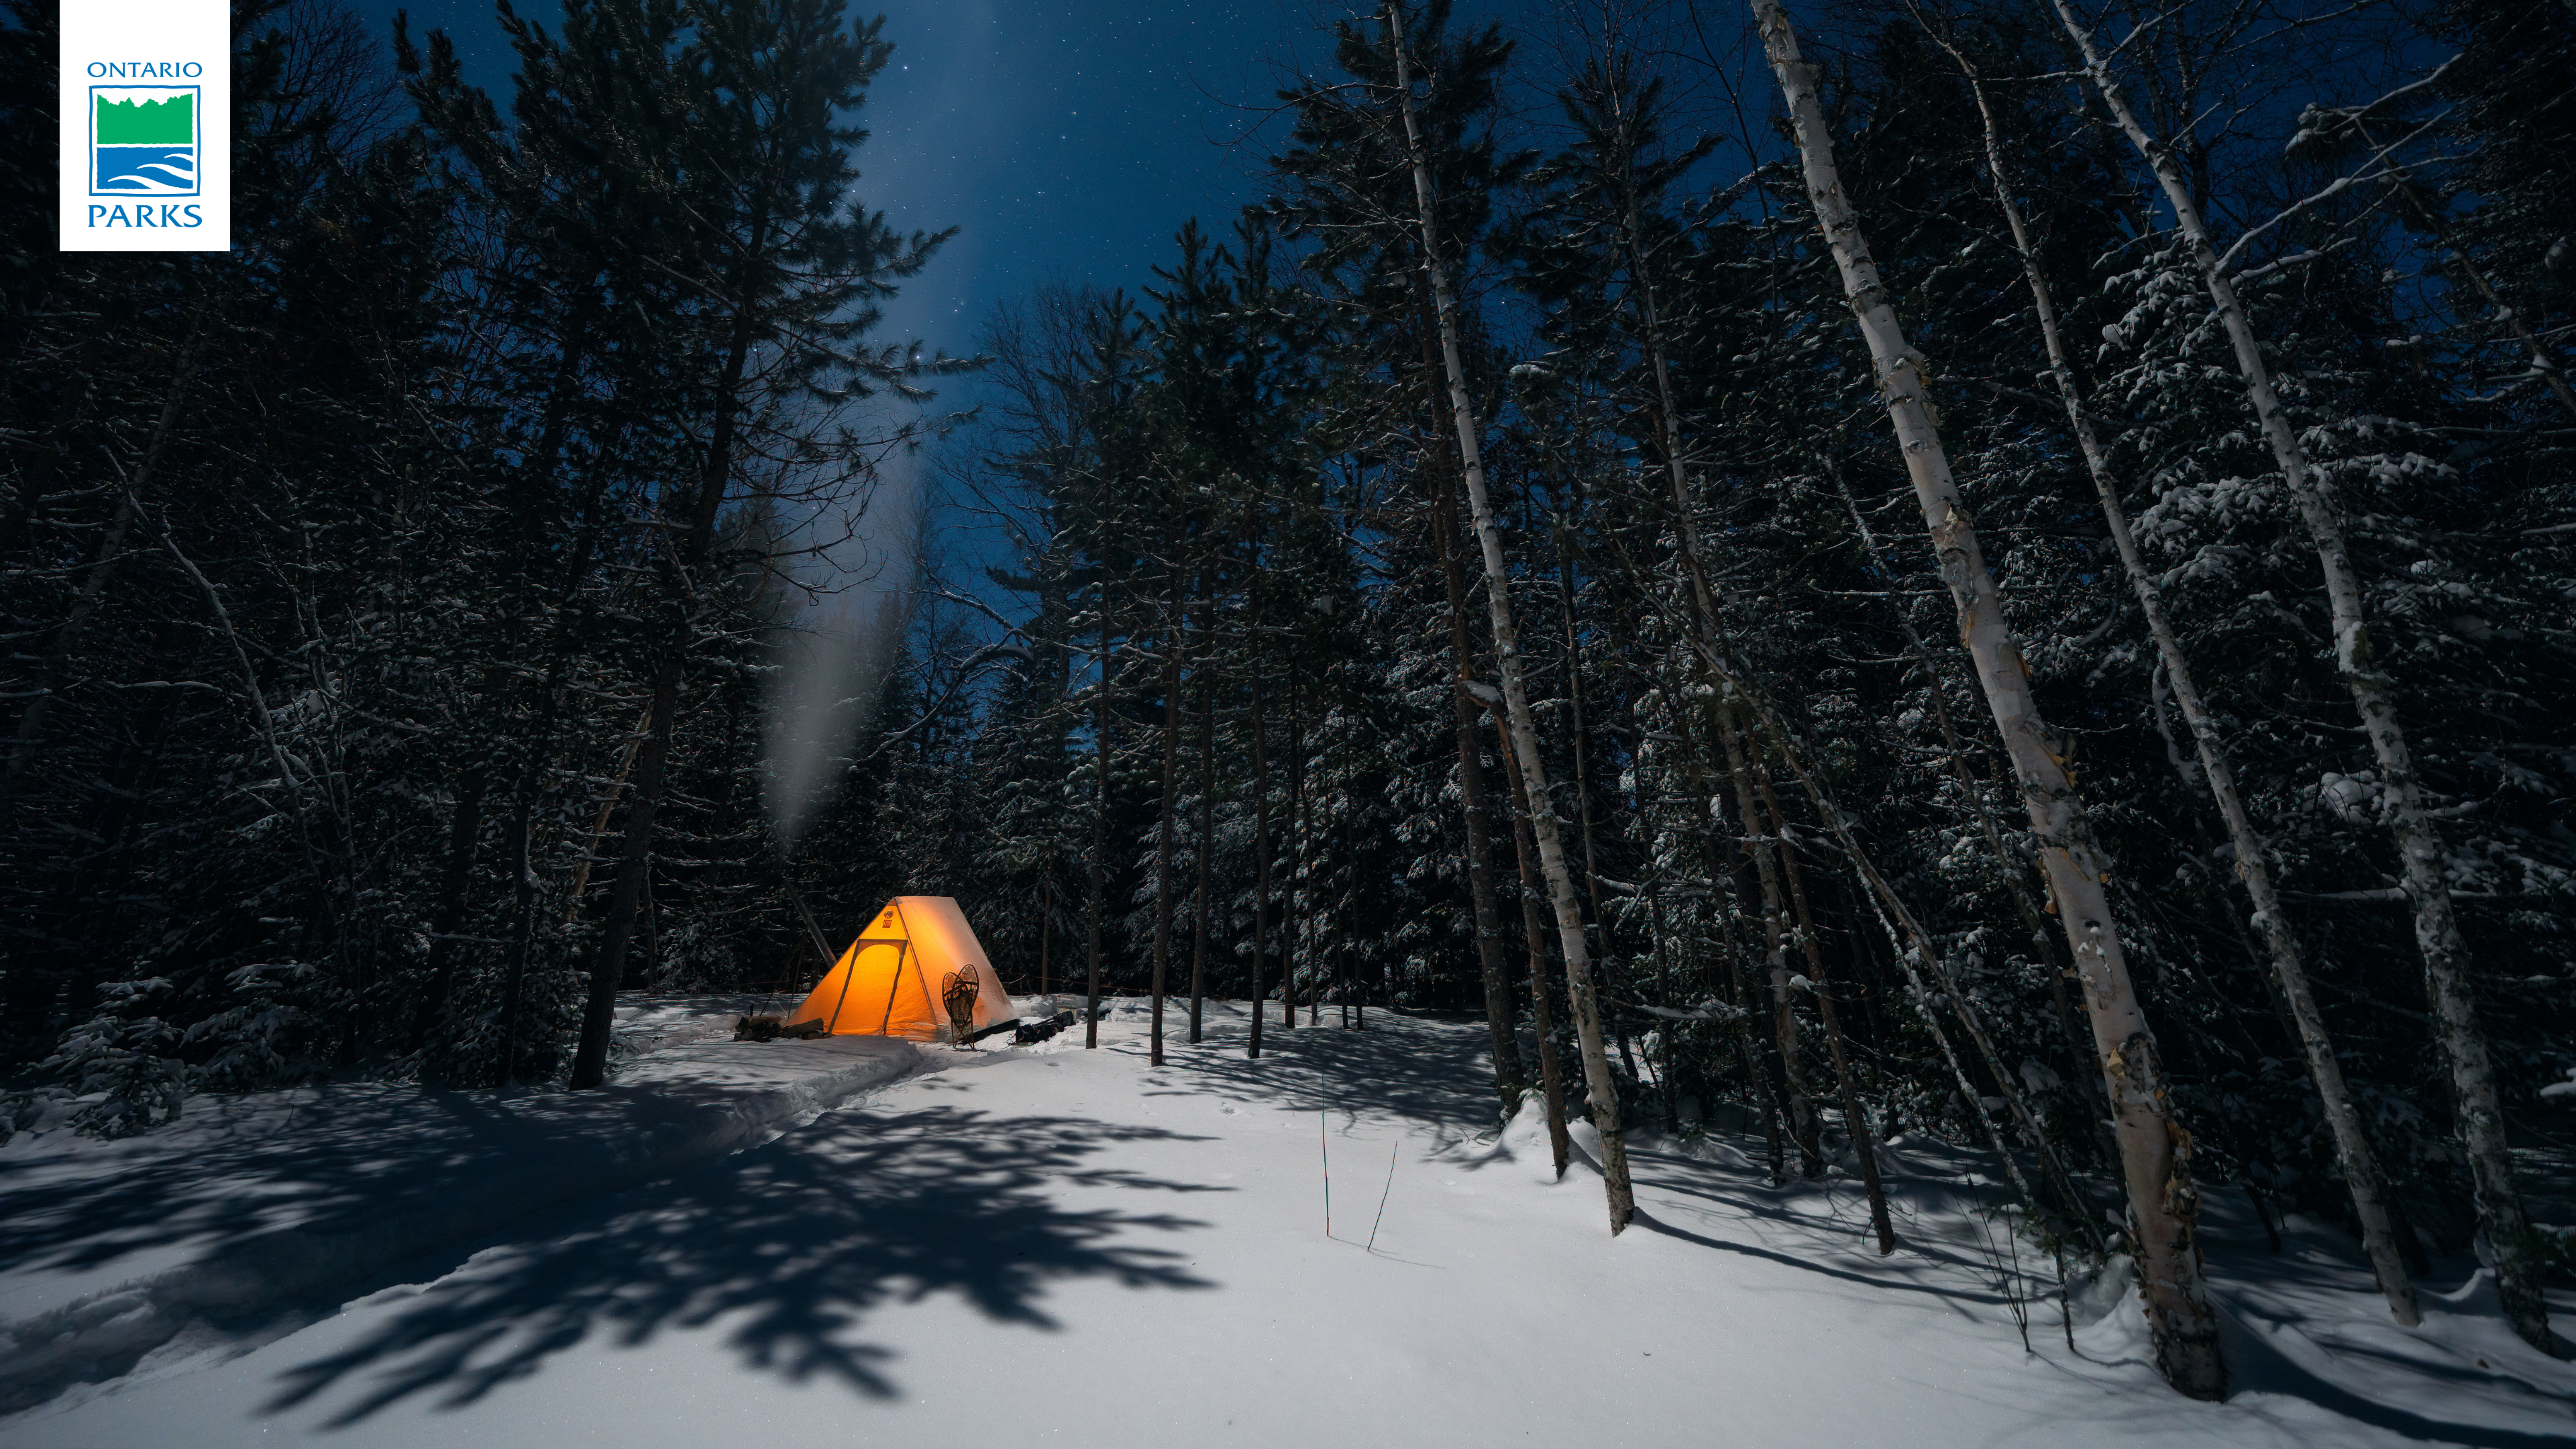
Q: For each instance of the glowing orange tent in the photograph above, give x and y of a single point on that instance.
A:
(889, 982)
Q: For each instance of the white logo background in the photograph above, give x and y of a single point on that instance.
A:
(137, 50)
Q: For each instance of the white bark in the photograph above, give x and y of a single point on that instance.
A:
(2360, 1169)
(2154, 1149)
(1599, 1089)
(2374, 696)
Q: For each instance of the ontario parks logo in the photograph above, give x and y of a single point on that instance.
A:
(144, 132)
(144, 140)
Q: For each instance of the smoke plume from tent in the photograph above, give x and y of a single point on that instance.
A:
(841, 630)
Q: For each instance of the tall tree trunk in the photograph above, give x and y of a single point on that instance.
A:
(1582, 734)
(1854, 1121)
(1207, 804)
(1171, 803)
(1293, 951)
(1784, 1021)
(1704, 622)
(326, 851)
(1600, 1088)
(523, 925)
(465, 828)
(1580, 748)
(1260, 825)
(1099, 903)
(1970, 1099)
(1359, 985)
(1887, 903)
(2374, 696)
(1670, 1030)
(2253, 864)
(1551, 1078)
(1762, 1085)
(2153, 1145)
(652, 957)
(1511, 1077)
(590, 1060)
(1763, 1088)
(581, 868)
(2034, 920)
(2061, 1183)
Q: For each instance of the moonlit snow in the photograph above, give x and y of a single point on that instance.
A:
(1060, 1247)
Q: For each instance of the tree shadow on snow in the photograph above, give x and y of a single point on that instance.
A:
(1422, 1070)
(793, 1244)
(326, 1170)
(2254, 1365)
(330, 1161)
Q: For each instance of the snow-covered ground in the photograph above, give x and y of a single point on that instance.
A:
(111, 1250)
(1071, 1247)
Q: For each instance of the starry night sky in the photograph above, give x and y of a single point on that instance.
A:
(1066, 139)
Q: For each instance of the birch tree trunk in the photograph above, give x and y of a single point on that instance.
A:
(2154, 1148)
(2374, 697)
(1602, 1092)
(1551, 1080)
(2079, 1042)
(2253, 867)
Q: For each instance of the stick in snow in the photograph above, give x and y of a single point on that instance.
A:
(1391, 1154)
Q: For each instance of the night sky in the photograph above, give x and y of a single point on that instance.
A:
(1067, 140)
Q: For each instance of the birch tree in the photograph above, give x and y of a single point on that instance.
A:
(2375, 698)
(2154, 1149)
(2253, 865)
(1601, 1091)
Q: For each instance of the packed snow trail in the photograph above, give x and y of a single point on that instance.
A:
(1069, 1247)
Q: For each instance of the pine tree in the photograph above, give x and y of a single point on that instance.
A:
(744, 127)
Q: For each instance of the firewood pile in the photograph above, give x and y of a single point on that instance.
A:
(1033, 1032)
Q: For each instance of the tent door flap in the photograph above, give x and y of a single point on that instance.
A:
(857, 946)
